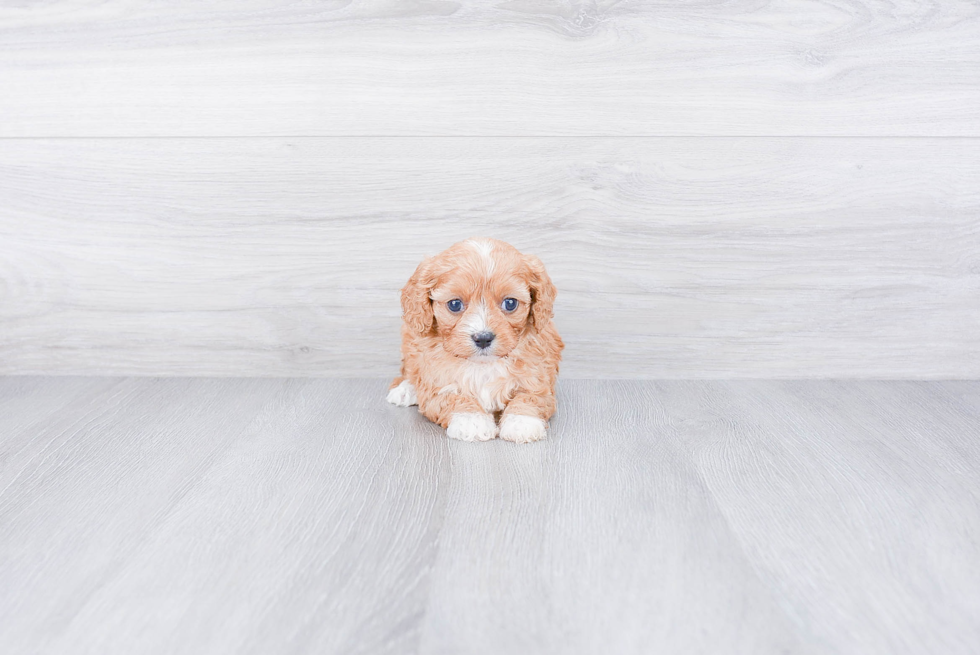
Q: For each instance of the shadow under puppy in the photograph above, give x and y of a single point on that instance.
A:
(478, 343)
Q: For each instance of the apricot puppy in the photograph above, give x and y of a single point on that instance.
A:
(478, 343)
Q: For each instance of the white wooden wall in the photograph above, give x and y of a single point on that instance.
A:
(740, 189)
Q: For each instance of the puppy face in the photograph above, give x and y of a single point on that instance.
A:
(479, 296)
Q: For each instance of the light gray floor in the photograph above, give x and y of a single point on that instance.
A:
(308, 516)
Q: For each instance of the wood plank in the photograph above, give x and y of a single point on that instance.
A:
(673, 257)
(32, 417)
(522, 67)
(308, 516)
(748, 517)
(103, 473)
(858, 502)
(222, 516)
(601, 539)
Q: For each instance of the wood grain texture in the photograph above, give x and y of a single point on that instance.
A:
(738, 257)
(218, 516)
(308, 516)
(521, 67)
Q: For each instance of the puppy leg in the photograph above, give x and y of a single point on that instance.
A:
(462, 417)
(402, 393)
(526, 418)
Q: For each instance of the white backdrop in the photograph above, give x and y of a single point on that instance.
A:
(719, 190)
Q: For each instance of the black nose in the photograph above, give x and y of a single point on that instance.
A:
(483, 339)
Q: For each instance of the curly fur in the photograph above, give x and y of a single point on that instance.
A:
(452, 380)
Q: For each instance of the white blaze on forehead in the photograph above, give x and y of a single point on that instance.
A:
(485, 249)
(478, 319)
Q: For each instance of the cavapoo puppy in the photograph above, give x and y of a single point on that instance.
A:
(478, 343)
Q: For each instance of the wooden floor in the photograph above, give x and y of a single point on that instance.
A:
(309, 516)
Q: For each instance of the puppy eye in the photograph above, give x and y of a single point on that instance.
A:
(455, 305)
(509, 304)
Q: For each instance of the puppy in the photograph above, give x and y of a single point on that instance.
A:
(478, 343)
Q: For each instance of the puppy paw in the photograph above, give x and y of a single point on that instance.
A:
(403, 395)
(520, 428)
(472, 427)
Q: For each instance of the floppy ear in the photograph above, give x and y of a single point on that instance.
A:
(543, 291)
(416, 304)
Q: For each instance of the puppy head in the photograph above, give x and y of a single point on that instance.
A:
(480, 296)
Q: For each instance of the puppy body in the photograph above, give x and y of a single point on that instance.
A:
(479, 344)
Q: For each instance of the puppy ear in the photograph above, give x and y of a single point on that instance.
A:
(416, 304)
(543, 291)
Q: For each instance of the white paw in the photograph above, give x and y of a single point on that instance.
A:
(472, 427)
(403, 395)
(522, 429)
